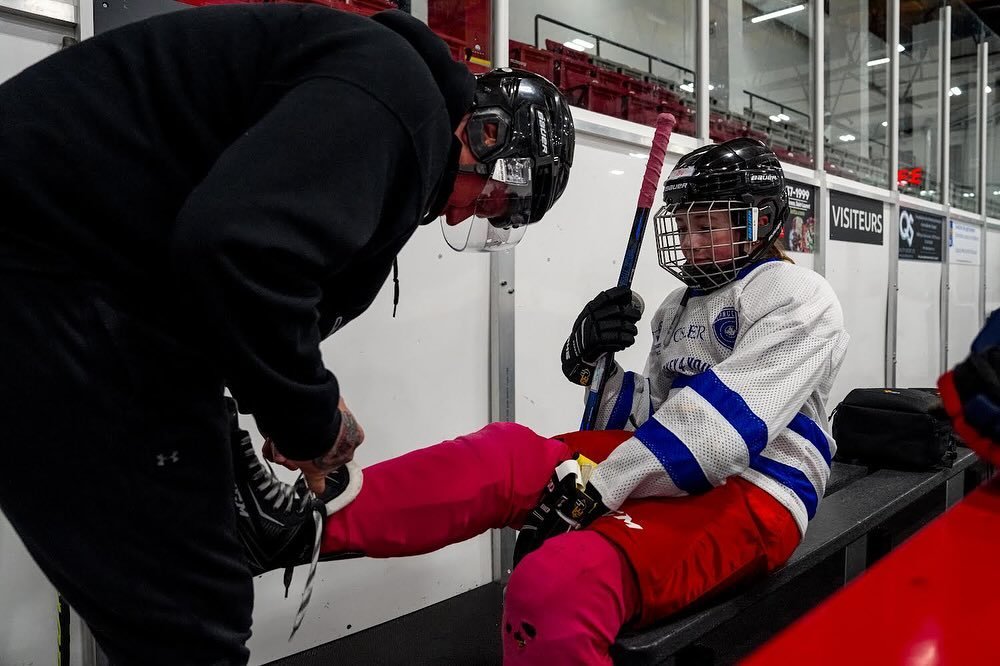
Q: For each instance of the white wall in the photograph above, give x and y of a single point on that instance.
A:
(24, 42)
(27, 600)
(918, 324)
(859, 274)
(964, 318)
(804, 259)
(27, 605)
(564, 263)
(411, 381)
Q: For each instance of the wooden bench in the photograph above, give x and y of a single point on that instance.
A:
(856, 503)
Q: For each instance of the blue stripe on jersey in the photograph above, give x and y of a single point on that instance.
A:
(623, 405)
(730, 405)
(806, 427)
(791, 478)
(675, 457)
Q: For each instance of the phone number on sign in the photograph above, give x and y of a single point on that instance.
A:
(799, 193)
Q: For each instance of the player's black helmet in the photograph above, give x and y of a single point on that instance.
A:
(521, 132)
(724, 206)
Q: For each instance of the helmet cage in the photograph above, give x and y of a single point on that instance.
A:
(706, 243)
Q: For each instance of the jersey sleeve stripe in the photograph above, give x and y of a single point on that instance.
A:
(789, 477)
(730, 405)
(623, 404)
(675, 457)
(807, 428)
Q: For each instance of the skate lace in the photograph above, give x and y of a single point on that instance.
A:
(282, 495)
(318, 515)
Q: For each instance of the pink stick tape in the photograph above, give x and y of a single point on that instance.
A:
(651, 179)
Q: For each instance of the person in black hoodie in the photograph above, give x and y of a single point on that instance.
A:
(195, 201)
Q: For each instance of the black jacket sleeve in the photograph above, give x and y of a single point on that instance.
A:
(285, 208)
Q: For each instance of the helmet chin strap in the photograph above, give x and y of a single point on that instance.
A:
(700, 276)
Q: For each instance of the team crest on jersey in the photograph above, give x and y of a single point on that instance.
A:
(726, 327)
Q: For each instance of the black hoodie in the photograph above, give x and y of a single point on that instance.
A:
(245, 173)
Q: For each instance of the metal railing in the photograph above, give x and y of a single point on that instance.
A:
(598, 39)
(782, 108)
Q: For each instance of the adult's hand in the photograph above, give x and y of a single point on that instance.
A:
(349, 438)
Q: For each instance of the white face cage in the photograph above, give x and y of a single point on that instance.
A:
(705, 243)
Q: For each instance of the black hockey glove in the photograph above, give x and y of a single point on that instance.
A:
(606, 324)
(568, 503)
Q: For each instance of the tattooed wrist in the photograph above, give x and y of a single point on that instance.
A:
(348, 439)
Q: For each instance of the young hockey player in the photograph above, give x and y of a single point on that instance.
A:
(713, 461)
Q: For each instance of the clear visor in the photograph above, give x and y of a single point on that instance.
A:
(705, 243)
(501, 213)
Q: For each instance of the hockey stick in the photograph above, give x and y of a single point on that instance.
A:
(647, 195)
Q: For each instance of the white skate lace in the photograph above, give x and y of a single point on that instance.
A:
(284, 496)
(280, 494)
(318, 515)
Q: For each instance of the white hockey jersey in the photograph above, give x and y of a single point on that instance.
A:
(735, 385)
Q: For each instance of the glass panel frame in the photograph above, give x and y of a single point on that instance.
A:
(627, 60)
(856, 86)
(967, 31)
(919, 164)
(761, 68)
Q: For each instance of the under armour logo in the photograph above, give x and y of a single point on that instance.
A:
(161, 460)
(627, 519)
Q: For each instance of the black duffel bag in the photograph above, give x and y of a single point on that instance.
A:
(897, 428)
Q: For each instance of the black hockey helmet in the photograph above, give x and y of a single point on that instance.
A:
(521, 132)
(737, 186)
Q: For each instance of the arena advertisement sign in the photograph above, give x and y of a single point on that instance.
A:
(799, 234)
(921, 235)
(964, 243)
(856, 219)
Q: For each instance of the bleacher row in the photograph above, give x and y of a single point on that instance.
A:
(614, 89)
(617, 90)
(873, 170)
(604, 86)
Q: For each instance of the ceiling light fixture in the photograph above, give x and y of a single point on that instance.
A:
(781, 12)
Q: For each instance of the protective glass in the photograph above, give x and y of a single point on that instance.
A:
(502, 210)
